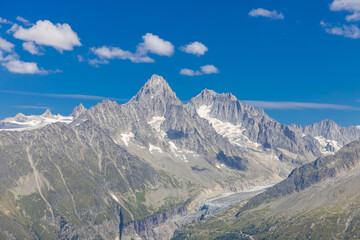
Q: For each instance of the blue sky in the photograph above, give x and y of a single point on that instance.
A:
(297, 59)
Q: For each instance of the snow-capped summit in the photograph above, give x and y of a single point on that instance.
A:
(22, 122)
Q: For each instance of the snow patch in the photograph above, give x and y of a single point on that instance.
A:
(153, 148)
(219, 166)
(156, 122)
(324, 142)
(126, 137)
(234, 133)
(181, 153)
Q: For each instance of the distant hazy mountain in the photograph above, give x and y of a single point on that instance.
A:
(21, 122)
(125, 170)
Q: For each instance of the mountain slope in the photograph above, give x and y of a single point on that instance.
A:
(132, 170)
(63, 181)
(320, 200)
(113, 166)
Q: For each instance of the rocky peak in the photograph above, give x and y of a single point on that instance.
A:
(212, 95)
(20, 117)
(78, 110)
(156, 88)
(47, 114)
(224, 106)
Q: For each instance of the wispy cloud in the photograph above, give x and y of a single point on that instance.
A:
(68, 96)
(6, 45)
(32, 48)
(206, 69)
(31, 107)
(4, 21)
(261, 12)
(23, 20)
(348, 31)
(298, 105)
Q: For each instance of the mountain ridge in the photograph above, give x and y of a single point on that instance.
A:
(148, 156)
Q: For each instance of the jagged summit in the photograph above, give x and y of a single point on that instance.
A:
(156, 88)
(208, 92)
(78, 110)
(20, 117)
(211, 93)
(156, 81)
(47, 114)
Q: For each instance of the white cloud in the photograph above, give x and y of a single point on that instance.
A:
(189, 72)
(154, 44)
(13, 28)
(9, 57)
(96, 62)
(59, 36)
(117, 53)
(12, 62)
(105, 52)
(206, 69)
(23, 20)
(4, 21)
(151, 44)
(298, 105)
(209, 69)
(351, 6)
(31, 48)
(345, 5)
(18, 66)
(80, 58)
(196, 48)
(348, 31)
(6, 45)
(261, 12)
(353, 17)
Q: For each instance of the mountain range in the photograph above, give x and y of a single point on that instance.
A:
(133, 170)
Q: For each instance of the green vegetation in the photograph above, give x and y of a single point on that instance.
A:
(337, 221)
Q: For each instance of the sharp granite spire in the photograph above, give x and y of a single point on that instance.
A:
(156, 88)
